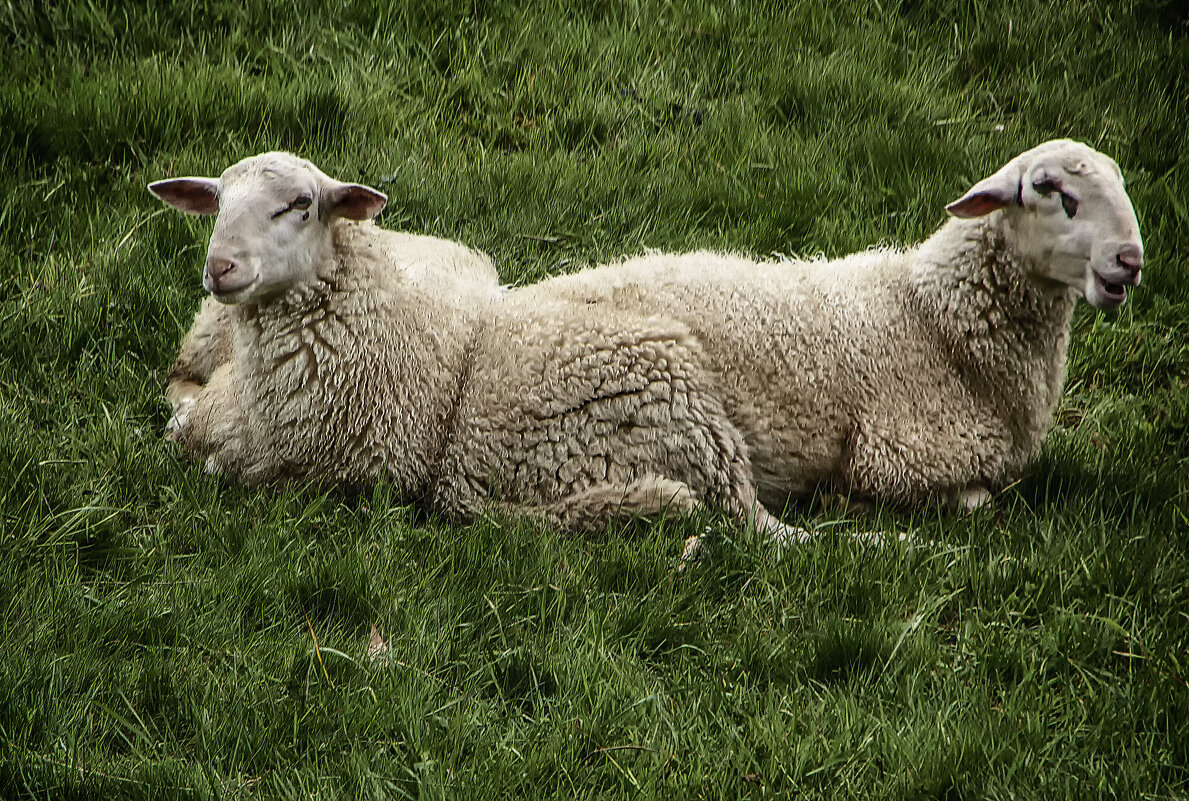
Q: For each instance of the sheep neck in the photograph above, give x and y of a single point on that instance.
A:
(983, 298)
(1005, 330)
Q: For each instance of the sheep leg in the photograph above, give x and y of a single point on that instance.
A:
(649, 497)
(754, 515)
(213, 427)
(894, 463)
(973, 497)
(653, 497)
(206, 346)
(736, 489)
(181, 395)
(891, 463)
(593, 508)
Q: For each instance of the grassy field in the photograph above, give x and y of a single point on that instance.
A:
(167, 636)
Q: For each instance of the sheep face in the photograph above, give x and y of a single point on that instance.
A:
(1069, 218)
(273, 229)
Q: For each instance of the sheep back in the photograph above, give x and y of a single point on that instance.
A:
(563, 399)
(832, 375)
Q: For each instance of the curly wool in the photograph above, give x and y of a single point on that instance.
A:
(901, 374)
(461, 395)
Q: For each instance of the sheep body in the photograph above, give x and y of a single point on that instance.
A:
(460, 393)
(366, 376)
(286, 400)
(830, 379)
(931, 372)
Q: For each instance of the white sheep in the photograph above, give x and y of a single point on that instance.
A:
(910, 375)
(333, 349)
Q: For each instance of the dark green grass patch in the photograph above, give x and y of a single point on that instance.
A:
(165, 635)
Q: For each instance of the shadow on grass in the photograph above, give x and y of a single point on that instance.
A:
(1117, 490)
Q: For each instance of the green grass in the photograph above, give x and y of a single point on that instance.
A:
(157, 627)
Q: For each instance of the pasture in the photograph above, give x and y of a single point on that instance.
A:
(166, 635)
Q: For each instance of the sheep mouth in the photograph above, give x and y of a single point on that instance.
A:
(234, 294)
(1114, 293)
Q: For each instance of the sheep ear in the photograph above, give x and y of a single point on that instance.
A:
(191, 195)
(994, 192)
(353, 201)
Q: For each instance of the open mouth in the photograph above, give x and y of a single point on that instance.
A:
(1113, 293)
(1110, 289)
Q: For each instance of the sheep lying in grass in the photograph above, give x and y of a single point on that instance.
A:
(927, 373)
(333, 349)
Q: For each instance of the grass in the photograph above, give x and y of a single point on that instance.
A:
(158, 628)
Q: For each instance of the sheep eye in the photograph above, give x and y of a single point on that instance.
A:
(301, 204)
(1068, 202)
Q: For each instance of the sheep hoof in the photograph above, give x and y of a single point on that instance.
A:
(178, 392)
(972, 498)
(177, 423)
(842, 503)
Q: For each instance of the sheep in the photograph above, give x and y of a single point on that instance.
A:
(922, 375)
(331, 349)
(436, 265)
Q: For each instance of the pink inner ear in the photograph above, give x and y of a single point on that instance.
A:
(192, 195)
(354, 201)
(977, 204)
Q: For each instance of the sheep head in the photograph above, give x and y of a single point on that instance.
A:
(275, 214)
(1068, 216)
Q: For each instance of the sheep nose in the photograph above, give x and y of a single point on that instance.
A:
(217, 268)
(218, 273)
(1130, 258)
